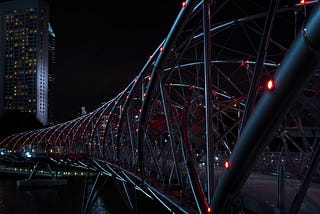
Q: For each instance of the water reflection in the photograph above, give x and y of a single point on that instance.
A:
(65, 199)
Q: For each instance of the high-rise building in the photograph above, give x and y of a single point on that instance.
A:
(51, 76)
(24, 57)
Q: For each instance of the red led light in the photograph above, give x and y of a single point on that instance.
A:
(226, 164)
(161, 49)
(209, 209)
(270, 85)
(184, 3)
(191, 87)
(302, 1)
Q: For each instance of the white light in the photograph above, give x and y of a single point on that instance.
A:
(28, 154)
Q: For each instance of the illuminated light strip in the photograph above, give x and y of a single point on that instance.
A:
(136, 186)
(31, 135)
(17, 140)
(152, 190)
(103, 169)
(104, 109)
(47, 133)
(303, 2)
(168, 208)
(275, 65)
(74, 125)
(39, 133)
(245, 19)
(70, 123)
(112, 104)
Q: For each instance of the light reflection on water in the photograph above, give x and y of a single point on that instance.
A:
(66, 199)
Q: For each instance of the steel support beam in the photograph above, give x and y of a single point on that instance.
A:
(173, 35)
(199, 196)
(208, 97)
(251, 99)
(295, 70)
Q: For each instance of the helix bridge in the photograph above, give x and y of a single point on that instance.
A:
(224, 116)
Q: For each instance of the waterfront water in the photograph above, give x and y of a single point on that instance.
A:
(66, 199)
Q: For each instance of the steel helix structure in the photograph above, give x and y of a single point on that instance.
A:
(232, 91)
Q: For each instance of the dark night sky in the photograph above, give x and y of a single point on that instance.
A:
(101, 48)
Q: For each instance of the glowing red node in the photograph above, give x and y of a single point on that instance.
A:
(226, 164)
(209, 209)
(270, 85)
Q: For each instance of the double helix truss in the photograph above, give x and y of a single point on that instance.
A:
(197, 129)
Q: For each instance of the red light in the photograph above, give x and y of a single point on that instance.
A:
(270, 85)
(302, 2)
(184, 3)
(226, 164)
(191, 87)
(161, 49)
(209, 209)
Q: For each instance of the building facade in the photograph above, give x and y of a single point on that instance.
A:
(24, 57)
